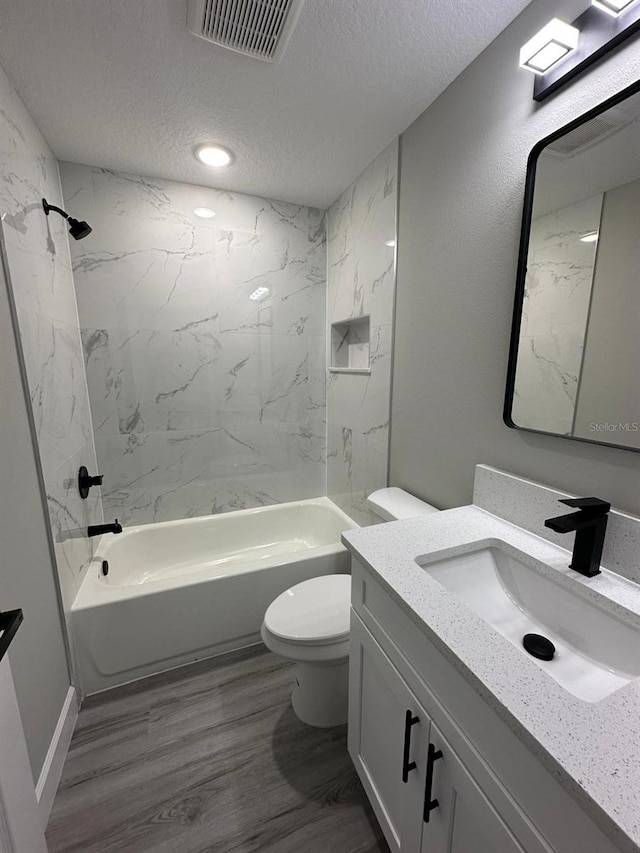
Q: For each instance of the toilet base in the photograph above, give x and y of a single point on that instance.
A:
(320, 697)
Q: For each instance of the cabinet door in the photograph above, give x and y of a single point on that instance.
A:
(463, 821)
(388, 733)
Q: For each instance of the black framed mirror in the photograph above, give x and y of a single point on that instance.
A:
(574, 361)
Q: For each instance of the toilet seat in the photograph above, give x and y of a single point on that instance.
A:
(313, 613)
(324, 654)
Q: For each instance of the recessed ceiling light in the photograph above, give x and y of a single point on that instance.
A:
(614, 7)
(214, 155)
(204, 212)
(554, 41)
(390, 243)
(589, 237)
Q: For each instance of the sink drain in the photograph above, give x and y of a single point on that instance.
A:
(538, 646)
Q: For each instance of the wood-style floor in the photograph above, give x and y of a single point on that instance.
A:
(209, 758)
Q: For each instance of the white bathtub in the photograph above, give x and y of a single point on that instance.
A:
(181, 591)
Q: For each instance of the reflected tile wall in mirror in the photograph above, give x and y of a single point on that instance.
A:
(554, 316)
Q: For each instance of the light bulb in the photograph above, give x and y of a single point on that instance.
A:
(214, 155)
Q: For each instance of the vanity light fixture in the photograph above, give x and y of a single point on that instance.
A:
(259, 294)
(552, 54)
(204, 212)
(214, 155)
(589, 237)
(554, 41)
(614, 7)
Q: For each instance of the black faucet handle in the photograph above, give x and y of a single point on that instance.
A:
(590, 506)
(86, 481)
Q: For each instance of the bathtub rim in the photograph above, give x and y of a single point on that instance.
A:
(93, 592)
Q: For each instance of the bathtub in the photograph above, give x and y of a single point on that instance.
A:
(180, 591)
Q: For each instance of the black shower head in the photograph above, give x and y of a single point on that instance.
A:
(77, 229)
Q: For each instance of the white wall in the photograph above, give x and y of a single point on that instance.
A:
(361, 282)
(37, 654)
(462, 181)
(40, 268)
(203, 399)
(39, 265)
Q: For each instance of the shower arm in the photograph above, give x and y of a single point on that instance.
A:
(78, 230)
(49, 207)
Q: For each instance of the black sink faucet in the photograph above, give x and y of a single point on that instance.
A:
(590, 524)
(97, 529)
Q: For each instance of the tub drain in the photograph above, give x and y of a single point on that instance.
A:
(538, 646)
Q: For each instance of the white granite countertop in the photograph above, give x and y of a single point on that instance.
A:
(593, 748)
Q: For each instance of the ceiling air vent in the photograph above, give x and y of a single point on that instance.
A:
(589, 133)
(258, 28)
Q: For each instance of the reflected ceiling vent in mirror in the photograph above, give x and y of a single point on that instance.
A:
(257, 28)
(589, 133)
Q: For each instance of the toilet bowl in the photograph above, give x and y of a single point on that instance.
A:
(309, 624)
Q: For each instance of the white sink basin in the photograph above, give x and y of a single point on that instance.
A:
(596, 653)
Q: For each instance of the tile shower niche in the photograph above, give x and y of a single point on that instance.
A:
(350, 349)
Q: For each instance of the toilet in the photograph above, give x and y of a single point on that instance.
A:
(309, 624)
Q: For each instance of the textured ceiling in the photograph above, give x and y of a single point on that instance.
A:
(122, 84)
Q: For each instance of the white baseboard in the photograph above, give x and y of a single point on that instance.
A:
(56, 754)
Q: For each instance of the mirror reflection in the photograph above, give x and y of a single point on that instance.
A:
(578, 353)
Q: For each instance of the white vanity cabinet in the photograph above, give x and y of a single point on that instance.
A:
(461, 820)
(424, 797)
(419, 733)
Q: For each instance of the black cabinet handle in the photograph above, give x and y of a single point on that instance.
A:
(433, 755)
(407, 765)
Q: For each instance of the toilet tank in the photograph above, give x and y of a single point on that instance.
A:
(393, 504)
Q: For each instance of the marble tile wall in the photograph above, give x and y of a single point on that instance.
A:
(361, 281)
(40, 267)
(204, 399)
(554, 317)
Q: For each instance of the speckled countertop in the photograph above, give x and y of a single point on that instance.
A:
(593, 748)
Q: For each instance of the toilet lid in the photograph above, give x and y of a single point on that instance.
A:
(314, 611)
